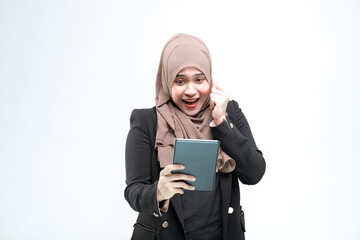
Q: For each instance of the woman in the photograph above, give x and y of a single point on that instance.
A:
(188, 105)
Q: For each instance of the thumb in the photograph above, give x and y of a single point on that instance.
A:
(212, 104)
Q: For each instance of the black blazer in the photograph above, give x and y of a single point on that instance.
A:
(142, 174)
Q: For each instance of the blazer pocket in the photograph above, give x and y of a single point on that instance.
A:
(143, 232)
(242, 221)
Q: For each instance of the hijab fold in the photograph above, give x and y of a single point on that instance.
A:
(182, 51)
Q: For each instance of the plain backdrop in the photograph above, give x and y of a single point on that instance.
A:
(71, 72)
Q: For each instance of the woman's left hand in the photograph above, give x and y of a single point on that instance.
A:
(219, 99)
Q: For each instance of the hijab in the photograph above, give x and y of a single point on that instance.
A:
(180, 51)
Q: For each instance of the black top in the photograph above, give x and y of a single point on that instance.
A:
(202, 213)
(142, 175)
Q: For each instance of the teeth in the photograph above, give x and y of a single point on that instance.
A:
(190, 100)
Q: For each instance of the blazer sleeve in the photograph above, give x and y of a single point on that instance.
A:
(140, 192)
(237, 141)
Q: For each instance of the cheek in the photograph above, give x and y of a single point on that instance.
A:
(176, 93)
(204, 89)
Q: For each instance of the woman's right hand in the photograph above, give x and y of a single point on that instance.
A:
(172, 183)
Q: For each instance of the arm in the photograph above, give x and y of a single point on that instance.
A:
(141, 192)
(144, 193)
(237, 141)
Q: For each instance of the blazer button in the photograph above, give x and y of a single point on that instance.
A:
(155, 214)
(231, 210)
(165, 224)
(231, 125)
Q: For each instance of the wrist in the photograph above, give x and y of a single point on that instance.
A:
(159, 197)
(219, 120)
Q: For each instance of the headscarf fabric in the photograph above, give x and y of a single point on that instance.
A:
(181, 51)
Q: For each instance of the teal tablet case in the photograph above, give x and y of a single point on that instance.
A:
(199, 158)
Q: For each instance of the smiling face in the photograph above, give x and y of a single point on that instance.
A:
(190, 90)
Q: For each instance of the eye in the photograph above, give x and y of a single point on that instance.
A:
(179, 81)
(199, 80)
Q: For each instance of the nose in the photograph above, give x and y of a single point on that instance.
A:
(190, 90)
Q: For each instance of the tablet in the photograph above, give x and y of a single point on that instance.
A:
(199, 158)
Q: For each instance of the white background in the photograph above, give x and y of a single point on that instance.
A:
(71, 72)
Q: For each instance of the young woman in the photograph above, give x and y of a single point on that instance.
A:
(188, 105)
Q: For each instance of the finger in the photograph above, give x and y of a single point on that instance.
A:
(179, 191)
(215, 88)
(219, 92)
(180, 176)
(223, 95)
(216, 91)
(181, 184)
(219, 87)
(217, 99)
(169, 168)
(216, 95)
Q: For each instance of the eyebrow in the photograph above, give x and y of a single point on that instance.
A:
(197, 74)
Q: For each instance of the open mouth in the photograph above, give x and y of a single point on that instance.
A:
(191, 103)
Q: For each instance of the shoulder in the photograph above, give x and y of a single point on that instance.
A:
(143, 112)
(235, 113)
(143, 117)
(233, 107)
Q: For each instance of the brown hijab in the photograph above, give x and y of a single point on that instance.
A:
(182, 51)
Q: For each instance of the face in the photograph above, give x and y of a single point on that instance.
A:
(190, 90)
